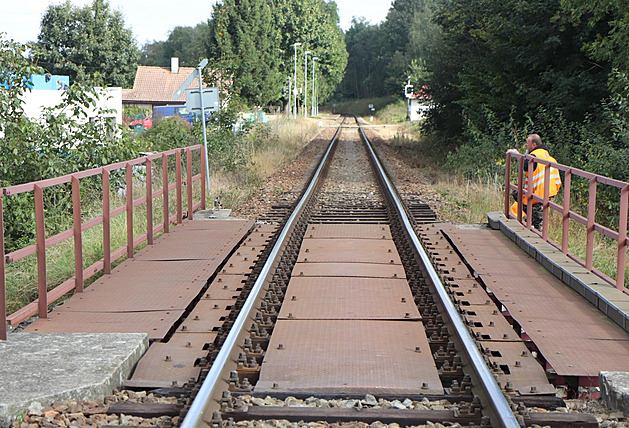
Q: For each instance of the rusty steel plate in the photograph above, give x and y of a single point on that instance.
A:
(144, 297)
(572, 335)
(349, 251)
(239, 265)
(488, 323)
(349, 357)
(513, 363)
(185, 242)
(356, 231)
(215, 224)
(365, 270)
(132, 270)
(220, 293)
(348, 298)
(227, 282)
(155, 323)
(206, 316)
(472, 297)
(173, 361)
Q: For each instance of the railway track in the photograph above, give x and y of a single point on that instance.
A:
(352, 314)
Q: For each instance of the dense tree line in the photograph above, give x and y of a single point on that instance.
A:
(498, 70)
(249, 44)
(189, 44)
(252, 42)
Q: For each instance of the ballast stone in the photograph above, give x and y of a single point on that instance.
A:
(615, 390)
(39, 369)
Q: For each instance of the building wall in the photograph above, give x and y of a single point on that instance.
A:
(418, 110)
(35, 101)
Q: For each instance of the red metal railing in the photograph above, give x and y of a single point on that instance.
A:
(76, 283)
(568, 215)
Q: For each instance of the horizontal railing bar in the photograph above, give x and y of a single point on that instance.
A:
(578, 218)
(585, 174)
(29, 187)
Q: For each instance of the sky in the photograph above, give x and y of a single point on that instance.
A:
(152, 20)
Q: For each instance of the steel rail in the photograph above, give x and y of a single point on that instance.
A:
(194, 417)
(501, 408)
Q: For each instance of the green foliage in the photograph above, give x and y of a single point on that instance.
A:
(63, 140)
(252, 42)
(189, 44)
(166, 134)
(87, 43)
(362, 78)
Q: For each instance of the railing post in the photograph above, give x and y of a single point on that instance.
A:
(507, 184)
(78, 235)
(189, 182)
(165, 192)
(589, 249)
(520, 186)
(40, 233)
(203, 174)
(129, 174)
(179, 184)
(529, 195)
(545, 206)
(622, 238)
(149, 202)
(106, 223)
(565, 229)
(3, 278)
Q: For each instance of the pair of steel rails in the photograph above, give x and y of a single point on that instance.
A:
(208, 397)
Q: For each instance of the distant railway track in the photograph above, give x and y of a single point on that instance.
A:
(349, 303)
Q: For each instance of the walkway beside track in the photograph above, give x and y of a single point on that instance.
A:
(569, 329)
(91, 343)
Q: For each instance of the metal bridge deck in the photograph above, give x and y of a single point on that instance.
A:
(349, 333)
(150, 292)
(573, 336)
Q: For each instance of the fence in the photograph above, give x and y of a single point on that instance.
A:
(142, 170)
(568, 215)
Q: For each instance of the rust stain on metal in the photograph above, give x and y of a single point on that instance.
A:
(155, 323)
(349, 251)
(488, 323)
(173, 361)
(348, 298)
(206, 315)
(357, 231)
(517, 369)
(348, 356)
(197, 240)
(367, 270)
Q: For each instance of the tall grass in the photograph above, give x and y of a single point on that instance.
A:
(273, 146)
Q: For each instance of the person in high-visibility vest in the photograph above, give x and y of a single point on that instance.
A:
(535, 147)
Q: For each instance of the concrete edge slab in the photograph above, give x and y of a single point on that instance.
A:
(566, 270)
(40, 369)
(615, 390)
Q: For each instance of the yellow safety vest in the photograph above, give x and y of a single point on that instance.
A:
(538, 179)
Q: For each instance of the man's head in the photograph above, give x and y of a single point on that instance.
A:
(532, 142)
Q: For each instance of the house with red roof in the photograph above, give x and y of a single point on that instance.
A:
(155, 86)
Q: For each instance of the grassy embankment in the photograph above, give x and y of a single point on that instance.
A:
(274, 147)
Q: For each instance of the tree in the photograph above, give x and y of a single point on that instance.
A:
(252, 41)
(189, 44)
(247, 44)
(86, 43)
(363, 79)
